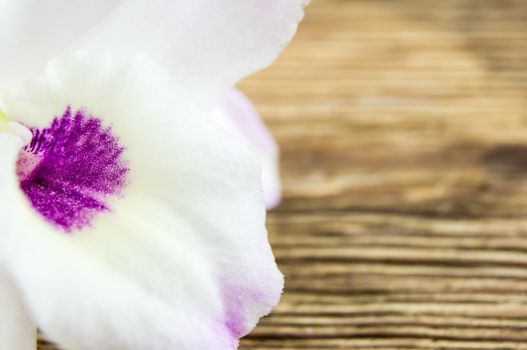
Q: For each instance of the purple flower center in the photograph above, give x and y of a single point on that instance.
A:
(69, 169)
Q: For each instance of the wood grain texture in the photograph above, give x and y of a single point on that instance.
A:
(403, 127)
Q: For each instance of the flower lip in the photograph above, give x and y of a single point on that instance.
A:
(68, 170)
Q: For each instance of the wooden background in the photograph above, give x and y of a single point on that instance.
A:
(403, 127)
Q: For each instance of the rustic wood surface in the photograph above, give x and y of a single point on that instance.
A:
(403, 127)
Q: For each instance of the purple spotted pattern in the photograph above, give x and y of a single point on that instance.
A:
(69, 169)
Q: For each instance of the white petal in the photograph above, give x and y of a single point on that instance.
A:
(32, 32)
(182, 260)
(207, 45)
(17, 332)
(236, 114)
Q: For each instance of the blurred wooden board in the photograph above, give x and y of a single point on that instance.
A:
(403, 127)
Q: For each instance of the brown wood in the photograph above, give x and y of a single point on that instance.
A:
(403, 127)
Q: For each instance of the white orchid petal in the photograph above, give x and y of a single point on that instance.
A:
(236, 114)
(182, 260)
(207, 45)
(32, 32)
(17, 332)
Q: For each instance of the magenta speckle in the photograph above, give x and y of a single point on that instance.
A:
(69, 169)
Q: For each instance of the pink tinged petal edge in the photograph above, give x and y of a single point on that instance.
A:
(236, 113)
(238, 320)
(234, 318)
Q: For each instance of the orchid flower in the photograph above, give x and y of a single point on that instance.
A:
(130, 219)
